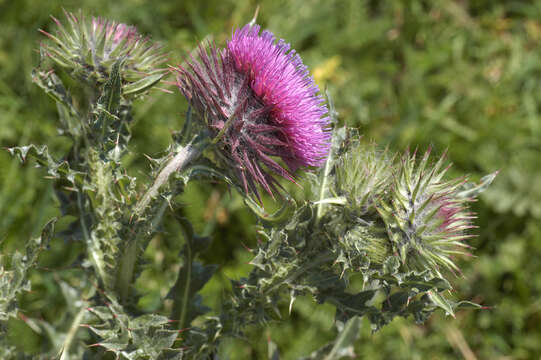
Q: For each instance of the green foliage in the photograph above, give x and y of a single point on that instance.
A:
(14, 280)
(142, 337)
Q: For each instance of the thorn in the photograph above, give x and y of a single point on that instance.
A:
(148, 157)
(246, 247)
(167, 91)
(252, 22)
(57, 22)
(45, 33)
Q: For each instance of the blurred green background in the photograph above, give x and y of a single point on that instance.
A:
(458, 75)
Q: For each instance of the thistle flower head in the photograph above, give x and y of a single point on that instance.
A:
(88, 49)
(427, 221)
(260, 104)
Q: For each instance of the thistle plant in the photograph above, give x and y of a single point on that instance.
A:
(255, 118)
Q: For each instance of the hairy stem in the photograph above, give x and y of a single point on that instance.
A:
(71, 334)
(180, 304)
(128, 260)
(125, 272)
(183, 157)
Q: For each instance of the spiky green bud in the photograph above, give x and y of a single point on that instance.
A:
(426, 220)
(88, 49)
(369, 241)
(362, 175)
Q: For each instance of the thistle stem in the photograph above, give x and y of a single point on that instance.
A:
(178, 162)
(64, 352)
(180, 304)
(183, 157)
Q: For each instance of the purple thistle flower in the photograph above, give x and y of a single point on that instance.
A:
(259, 103)
(281, 80)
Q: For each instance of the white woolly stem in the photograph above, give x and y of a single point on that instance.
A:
(183, 157)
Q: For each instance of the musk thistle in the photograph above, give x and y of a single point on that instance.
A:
(88, 49)
(260, 104)
(426, 219)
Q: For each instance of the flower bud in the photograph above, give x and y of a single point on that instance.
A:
(426, 219)
(363, 174)
(88, 50)
(369, 241)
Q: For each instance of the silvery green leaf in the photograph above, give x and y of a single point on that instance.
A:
(55, 168)
(15, 280)
(470, 191)
(142, 85)
(441, 302)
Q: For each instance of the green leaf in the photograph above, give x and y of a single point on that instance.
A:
(170, 354)
(110, 98)
(464, 305)
(15, 280)
(147, 334)
(441, 302)
(280, 216)
(55, 168)
(148, 320)
(142, 85)
(107, 107)
(470, 191)
(424, 282)
(53, 86)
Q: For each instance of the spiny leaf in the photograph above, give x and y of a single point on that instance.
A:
(109, 101)
(441, 302)
(121, 333)
(469, 190)
(53, 86)
(56, 169)
(14, 281)
(140, 86)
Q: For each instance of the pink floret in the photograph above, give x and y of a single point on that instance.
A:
(279, 77)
